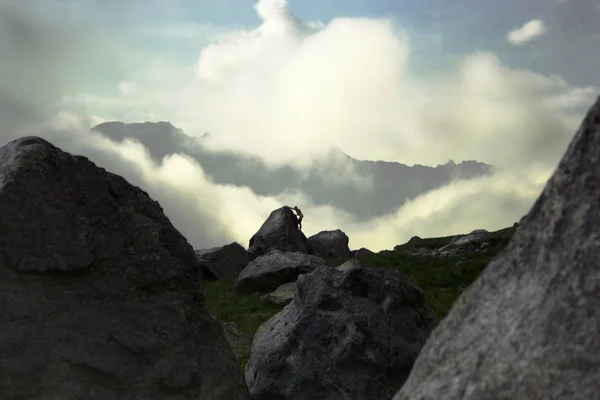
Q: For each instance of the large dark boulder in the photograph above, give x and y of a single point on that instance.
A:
(268, 272)
(100, 295)
(280, 231)
(331, 245)
(349, 333)
(224, 262)
(529, 326)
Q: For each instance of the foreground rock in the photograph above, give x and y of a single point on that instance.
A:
(528, 328)
(99, 293)
(268, 272)
(349, 333)
(225, 262)
(239, 342)
(280, 231)
(330, 245)
(282, 295)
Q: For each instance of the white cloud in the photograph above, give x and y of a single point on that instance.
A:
(529, 31)
(209, 214)
(289, 91)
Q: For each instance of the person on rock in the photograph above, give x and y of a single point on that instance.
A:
(300, 216)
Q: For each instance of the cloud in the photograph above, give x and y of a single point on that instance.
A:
(210, 214)
(528, 32)
(288, 91)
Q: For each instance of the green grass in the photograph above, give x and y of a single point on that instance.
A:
(248, 312)
(442, 279)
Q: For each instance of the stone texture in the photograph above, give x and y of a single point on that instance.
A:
(224, 262)
(330, 245)
(529, 326)
(268, 272)
(99, 294)
(280, 231)
(282, 295)
(349, 333)
(239, 342)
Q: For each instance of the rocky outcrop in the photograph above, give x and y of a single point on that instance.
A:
(362, 252)
(99, 293)
(282, 295)
(349, 333)
(528, 327)
(280, 231)
(330, 245)
(239, 342)
(474, 241)
(225, 262)
(268, 272)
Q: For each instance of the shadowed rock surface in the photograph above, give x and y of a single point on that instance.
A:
(282, 295)
(239, 342)
(331, 245)
(224, 262)
(362, 252)
(528, 328)
(268, 272)
(349, 333)
(99, 294)
(280, 231)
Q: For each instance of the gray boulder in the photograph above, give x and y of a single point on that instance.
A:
(462, 243)
(349, 333)
(362, 252)
(282, 295)
(239, 342)
(529, 326)
(280, 231)
(331, 245)
(224, 262)
(268, 272)
(100, 295)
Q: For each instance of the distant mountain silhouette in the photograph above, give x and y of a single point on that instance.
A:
(392, 183)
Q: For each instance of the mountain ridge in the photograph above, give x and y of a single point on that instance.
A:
(391, 183)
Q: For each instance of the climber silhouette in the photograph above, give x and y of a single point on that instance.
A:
(300, 216)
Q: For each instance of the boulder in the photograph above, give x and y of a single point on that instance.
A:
(224, 262)
(362, 252)
(100, 294)
(282, 295)
(528, 327)
(330, 245)
(268, 272)
(239, 342)
(461, 243)
(349, 333)
(280, 231)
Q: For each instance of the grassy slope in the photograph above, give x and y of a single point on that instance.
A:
(442, 279)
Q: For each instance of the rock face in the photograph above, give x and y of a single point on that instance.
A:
(330, 245)
(349, 333)
(239, 342)
(461, 243)
(283, 295)
(268, 272)
(225, 262)
(280, 231)
(99, 293)
(528, 328)
(362, 252)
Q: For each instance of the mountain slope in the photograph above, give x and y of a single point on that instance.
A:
(392, 183)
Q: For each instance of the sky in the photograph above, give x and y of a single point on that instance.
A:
(506, 83)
